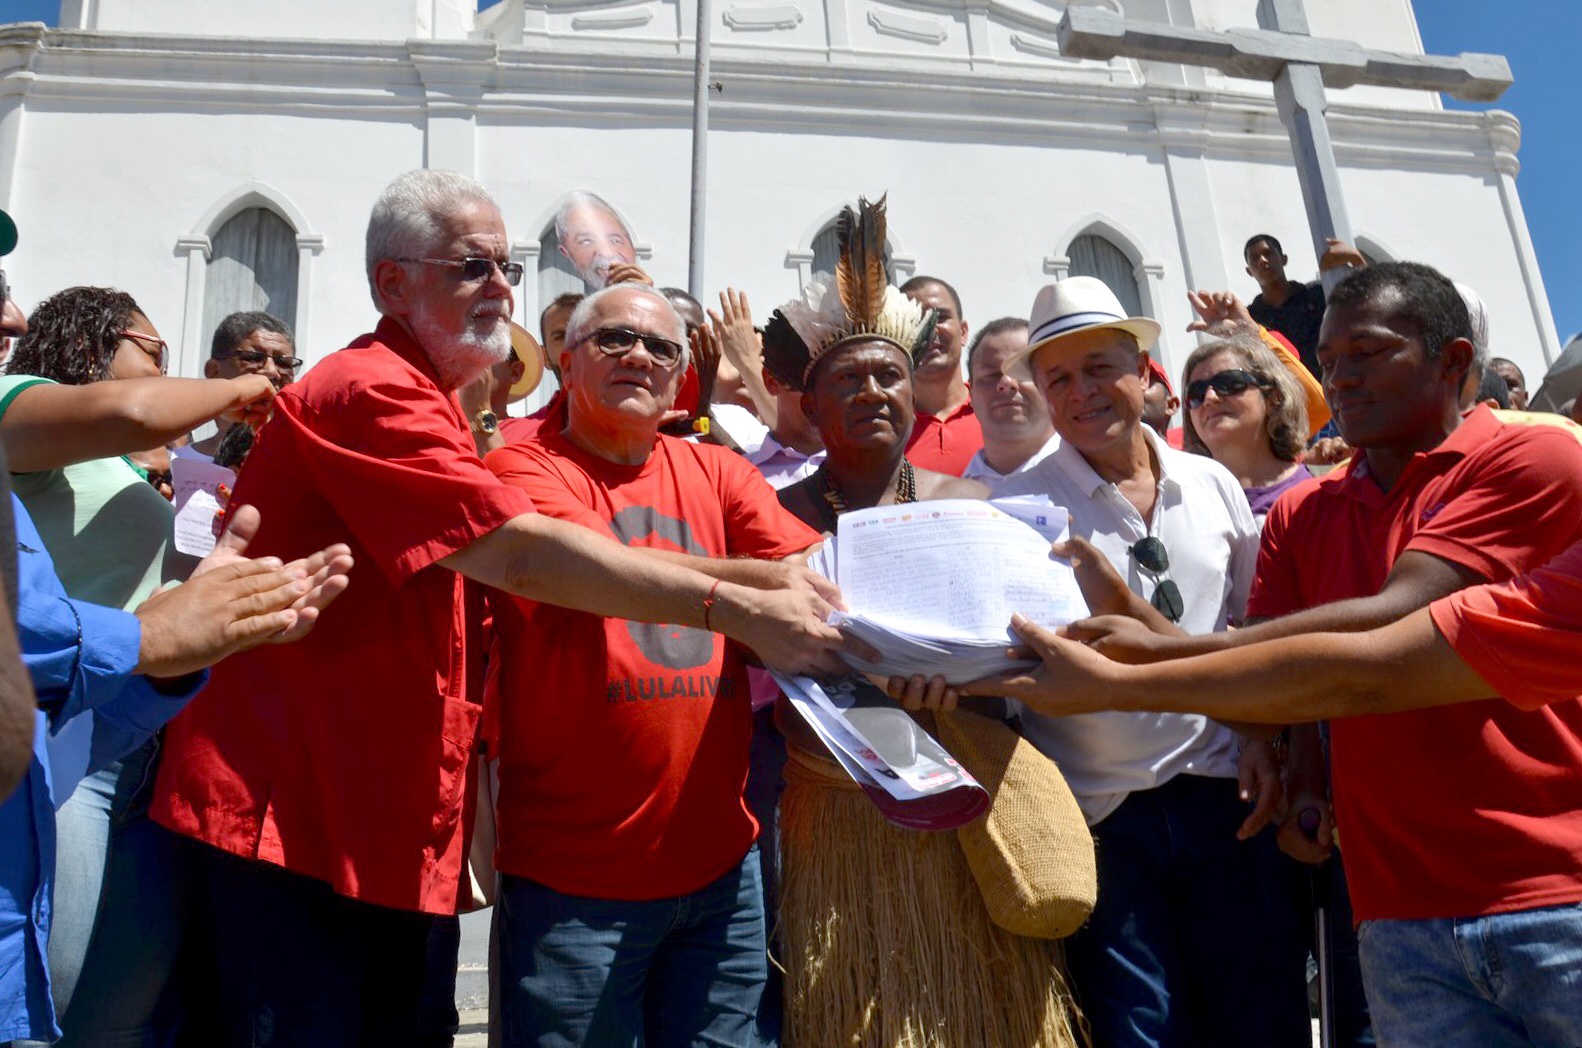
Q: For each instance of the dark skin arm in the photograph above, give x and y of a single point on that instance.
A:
(1417, 580)
(1405, 665)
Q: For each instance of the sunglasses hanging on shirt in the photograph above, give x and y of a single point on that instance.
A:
(1152, 558)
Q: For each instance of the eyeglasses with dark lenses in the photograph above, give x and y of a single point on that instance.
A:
(1152, 558)
(258, 358)
(618, 341)
(475, 269)
(1226, 384)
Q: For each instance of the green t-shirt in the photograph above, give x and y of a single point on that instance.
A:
(110, 534)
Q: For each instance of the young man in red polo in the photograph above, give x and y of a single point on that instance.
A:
(1463, 836)
(946, 434)
(324, 783)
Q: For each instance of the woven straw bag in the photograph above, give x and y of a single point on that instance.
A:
(1032, 853)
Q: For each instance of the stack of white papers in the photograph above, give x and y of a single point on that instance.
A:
(931, 586)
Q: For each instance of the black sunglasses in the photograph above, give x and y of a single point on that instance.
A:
(1151, 557)
(619, 341)
(1226, 384)
(258, 357)
(474, 269)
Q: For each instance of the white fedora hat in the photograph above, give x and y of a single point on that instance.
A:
(1082, 304)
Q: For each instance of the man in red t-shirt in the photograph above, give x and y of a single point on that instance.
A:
(1463, 835)
(324, 781)
(630, 903)
(946, 434)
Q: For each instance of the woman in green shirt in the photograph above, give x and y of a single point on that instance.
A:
(84, 389)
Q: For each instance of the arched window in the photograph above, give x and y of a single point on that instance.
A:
(556, 275)
(1093, 256)
(252, 266)
(826, 251)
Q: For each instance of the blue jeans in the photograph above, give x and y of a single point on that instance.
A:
(613, 973)
(119, 916)
(1197, 938)
(1507, 979)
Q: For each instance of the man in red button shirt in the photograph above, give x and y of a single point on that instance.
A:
(631, 907)
(946, 434)
(324, 782)
(1462, 831)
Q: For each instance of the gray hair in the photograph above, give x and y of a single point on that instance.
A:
(1286, 412)
(406, 221)
(580, 324)
(583, 198)
(1478, 314)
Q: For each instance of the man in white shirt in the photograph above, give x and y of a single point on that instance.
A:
(1017, 433)
(1185, 944)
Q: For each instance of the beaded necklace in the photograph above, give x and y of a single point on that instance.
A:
(835, 498)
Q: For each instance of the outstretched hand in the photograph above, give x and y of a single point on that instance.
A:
(1071, 679)
(325, 571)
(230, 608)
(733, 326)
(627, 273)
(1101, 585)
(706, 359)
(1220, 314)
(251, 402)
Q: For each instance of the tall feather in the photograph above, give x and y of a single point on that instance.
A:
(859, 273)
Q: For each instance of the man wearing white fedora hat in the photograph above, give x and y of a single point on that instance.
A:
(1187, 944)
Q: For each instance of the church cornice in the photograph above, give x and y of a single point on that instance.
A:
(633, 81)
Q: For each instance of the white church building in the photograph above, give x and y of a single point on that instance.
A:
(213, 155)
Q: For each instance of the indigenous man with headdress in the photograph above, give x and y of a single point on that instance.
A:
(886, 939)
(850, 348)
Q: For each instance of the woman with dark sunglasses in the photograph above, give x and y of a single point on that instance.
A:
(1246, 412)
(84, 390)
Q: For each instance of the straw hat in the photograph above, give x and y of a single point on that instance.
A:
(1076, 304)
(528, 351)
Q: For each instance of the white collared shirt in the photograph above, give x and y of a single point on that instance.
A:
(781, 466)
(1202, 518)
(979, 468)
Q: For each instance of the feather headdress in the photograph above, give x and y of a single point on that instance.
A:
(859, 304)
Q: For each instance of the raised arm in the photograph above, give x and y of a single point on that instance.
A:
(49, 426)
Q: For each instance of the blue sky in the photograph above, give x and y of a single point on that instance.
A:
(1538, 36)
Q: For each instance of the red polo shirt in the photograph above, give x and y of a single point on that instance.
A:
(1453, 811)
(1523, 638)
(623, 745)
(552, 415)
(344, 756)
(945, 445)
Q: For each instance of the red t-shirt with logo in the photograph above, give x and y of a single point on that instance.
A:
(344, 756)
(1451, 811)
(945, 445)
(623, 745)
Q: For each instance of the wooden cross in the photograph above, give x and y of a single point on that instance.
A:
(1299, 66)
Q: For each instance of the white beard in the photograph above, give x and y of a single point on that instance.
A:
(458, 358)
